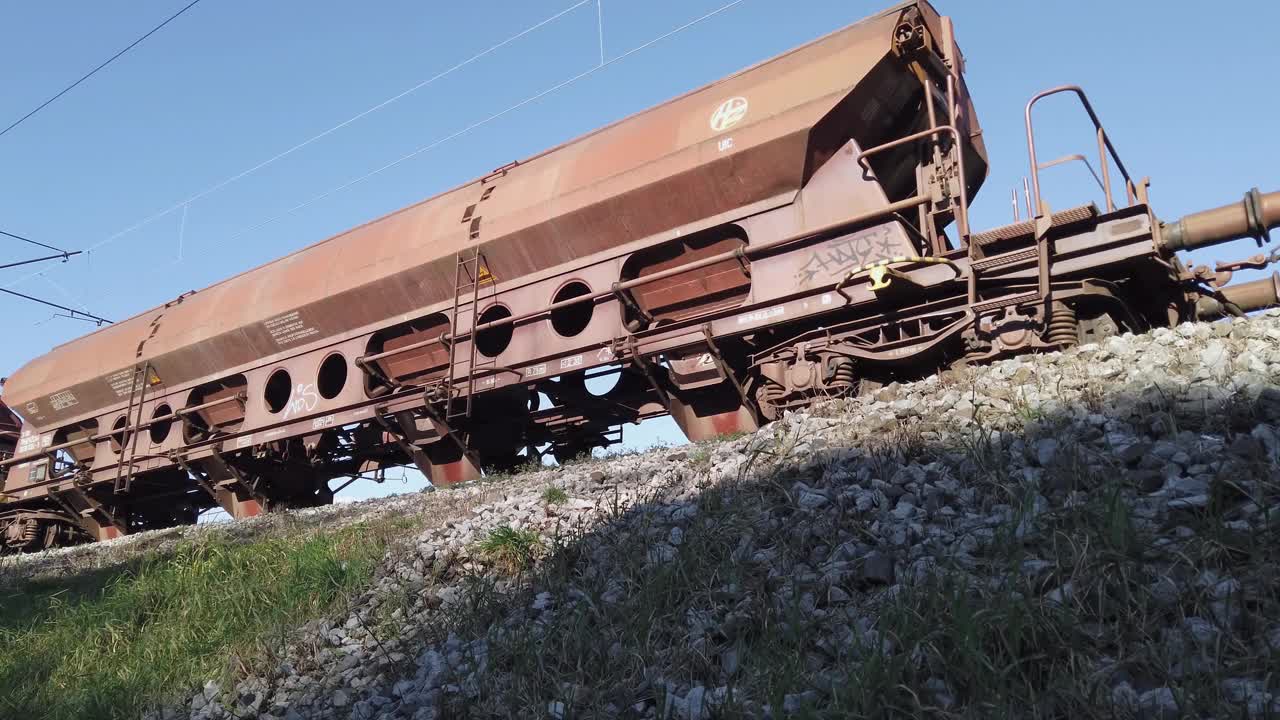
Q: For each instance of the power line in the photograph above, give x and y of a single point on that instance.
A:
(71, 313)
(600, 27)
(485, 121)
(94, 71)
(419, 151)
(74, 314)
(64, 292)
(183, 204)
(281, 155)
(63, 256)
(33, 242)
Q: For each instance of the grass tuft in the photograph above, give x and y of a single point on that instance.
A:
(554, 496)
(112, 643)
(509, 549)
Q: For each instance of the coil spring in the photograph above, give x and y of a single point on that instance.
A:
(28, 536)
(1063, 326)
(843, 377)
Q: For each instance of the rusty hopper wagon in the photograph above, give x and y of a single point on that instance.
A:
(9, 429)
(795, 231)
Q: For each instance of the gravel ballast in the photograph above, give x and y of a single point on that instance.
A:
(1085, 533)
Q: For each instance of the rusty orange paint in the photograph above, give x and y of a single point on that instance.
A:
(750, 140)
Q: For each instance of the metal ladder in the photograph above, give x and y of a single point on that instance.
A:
(469, 274)
(132, 427)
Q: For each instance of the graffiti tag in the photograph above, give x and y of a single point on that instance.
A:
(840, 256)
(303, 400)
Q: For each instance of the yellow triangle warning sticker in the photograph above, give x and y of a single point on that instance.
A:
(485, 276)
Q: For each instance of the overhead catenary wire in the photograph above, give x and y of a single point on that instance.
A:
(15, 236)
(532, 98)
(75, 314)
(600, 27)
(425, 148)
(63, 256)
(182, 232)
(57, 315)
(64, 293)
(321, 135)
(64, 308)
(184, 204)
(94, 71)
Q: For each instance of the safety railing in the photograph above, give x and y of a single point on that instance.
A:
(134, 428)
(962, 211)
(748, 252)
(1105, 148)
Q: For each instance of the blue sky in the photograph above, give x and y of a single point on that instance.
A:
(234, 82)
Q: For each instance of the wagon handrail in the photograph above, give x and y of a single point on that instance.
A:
(93, 439)
(862, 218)
(1104, 148)
(962, 217)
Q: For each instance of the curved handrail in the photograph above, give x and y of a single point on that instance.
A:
(1104, 147)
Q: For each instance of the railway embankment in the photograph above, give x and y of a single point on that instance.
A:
(1082, 534)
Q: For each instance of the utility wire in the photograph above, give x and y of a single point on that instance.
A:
(63, 256)
(64, 292)
(33, 242)
(419, 151)
(183, 204)
(283, 154)
(74, 312)
(600, 27)
(485, 121)
(94, 71)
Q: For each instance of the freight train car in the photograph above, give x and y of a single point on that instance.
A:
(9, 429)
(795, 231)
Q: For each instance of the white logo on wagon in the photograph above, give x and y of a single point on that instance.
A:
(729, 113)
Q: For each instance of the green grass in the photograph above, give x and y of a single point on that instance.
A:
(112, 643)
(554, 496)
(509, 549)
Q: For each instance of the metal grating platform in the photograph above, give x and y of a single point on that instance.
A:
(1027, 227)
